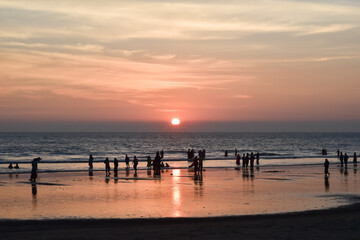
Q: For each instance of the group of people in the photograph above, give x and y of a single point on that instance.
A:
(344, 158)
(198, 162)
(11, 166)
(246, 158)
(191, 153)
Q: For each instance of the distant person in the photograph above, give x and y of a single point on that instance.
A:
(162, 153)
(162, 165)
(247, 160)
(116, 165)
(341, 157)
(156, 164)
(127, 161)
(252, 159)
(148, 161)
(201, 162)
(355, 159)
(195, 164)
(243, 161)
(257, 158)
(326, 165)
(16, 166)
(192, 153)
(204, 153)
(10, 166)
(346, 158)
(135, 163)
(167, 165)
(107, 167)
(236, 152)
(91, 159)
(189, 153)
(226, 153)
(238, 159)
(338, 152)
(34, 165)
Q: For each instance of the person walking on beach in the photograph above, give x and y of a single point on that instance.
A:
(135, 163)
(238, 159)
(195, 164)
(91, 159)
(341, 157)
(127, 161)
(355, 159)
(346, 158)
(326, 165)
(148, 161)
(107, 167)
(257, 158)
(34, 165)
(116, 165)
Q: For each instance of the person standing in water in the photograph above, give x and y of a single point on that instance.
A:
(116, 165)
(341, 157)
(148, 161)
(107, 167)
(127, 161)
(162, 153)
(195, 164)
(326, 165)
(355, 159)
(257, 158)
(346, 158)
(34, 165)
(135, 163)
(91, 159)
(238, 159)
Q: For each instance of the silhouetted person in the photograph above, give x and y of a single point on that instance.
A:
(238, 159)
(338, 152)
(204, 153)
(167, 165)
(226, 153)
(116, 165)
(346, 158)
(135, 163)
(91, 159)
(34, 165)
(162, 165)
(148, 161)
(107, 167)
(252, 159)
(257, 158)
(10, 166)
(189, 153)
(243, 161)
(236, 152)
(162, 153)
(195, 164)
(16, 166)
(201, 162)
(247, 160)
(341, 157)
(192, 153)
(326, 166)
(127, 161)
(156, 164)
(355, 159)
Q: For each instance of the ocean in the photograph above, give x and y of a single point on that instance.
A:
(70, 151)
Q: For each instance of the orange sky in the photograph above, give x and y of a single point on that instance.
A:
(155, 60)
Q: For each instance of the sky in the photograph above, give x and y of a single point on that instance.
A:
(67, 65)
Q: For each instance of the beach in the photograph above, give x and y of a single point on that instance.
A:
(279, 201)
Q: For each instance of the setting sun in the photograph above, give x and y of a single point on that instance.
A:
(175, 121)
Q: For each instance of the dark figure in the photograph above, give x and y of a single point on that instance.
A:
(346, 158)
(127, 161)
(338, 152)
(135, 163)
(16, 166)
(189, 153)
(355, 159)
(162, 153)
(326, 165)
(91, 159)
(252, 159)
(341, 157)
(257, 158)
(192, 155)
(195, 164)
(201, 161)
(116, 165)
(148, 161)
(243, 161)
(156, 164)
(247, 160)
(107, 167)
(236, 152)
(10, 166)
(34, 165)
(238, 159)
(226, 153)
(167, 165)
(204, 153)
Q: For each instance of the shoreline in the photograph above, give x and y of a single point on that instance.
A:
(334, 223)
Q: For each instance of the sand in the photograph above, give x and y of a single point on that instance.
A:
(224, 203)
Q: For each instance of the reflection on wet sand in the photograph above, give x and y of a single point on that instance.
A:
(327, 185)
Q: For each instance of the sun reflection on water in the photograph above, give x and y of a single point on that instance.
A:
(176, 193)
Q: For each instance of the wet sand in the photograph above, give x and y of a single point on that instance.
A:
(224, 203)
(338, 223)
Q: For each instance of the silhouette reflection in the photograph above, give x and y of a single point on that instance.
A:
(326, 181)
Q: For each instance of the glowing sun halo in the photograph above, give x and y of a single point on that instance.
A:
(175, 121)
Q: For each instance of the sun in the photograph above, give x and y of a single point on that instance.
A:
(175, 121)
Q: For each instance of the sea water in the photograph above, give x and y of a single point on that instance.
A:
(70, 151)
